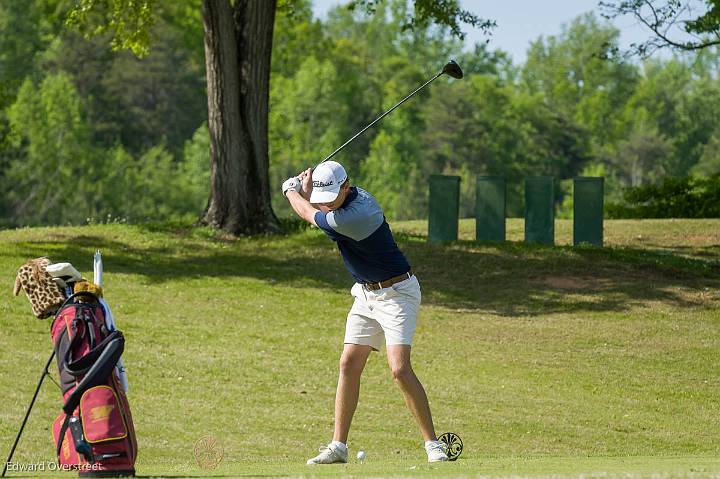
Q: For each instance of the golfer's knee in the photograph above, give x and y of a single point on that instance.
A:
(351, 364)
(402, 373)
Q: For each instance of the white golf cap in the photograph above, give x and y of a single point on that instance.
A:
(65, 271)
(327, 178)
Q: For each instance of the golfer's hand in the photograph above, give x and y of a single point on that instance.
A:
(306, 180)
(292, 183)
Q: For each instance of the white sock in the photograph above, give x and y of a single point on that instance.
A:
(427, 443)
(339, 444)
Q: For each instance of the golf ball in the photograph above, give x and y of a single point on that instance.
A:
(361, 455)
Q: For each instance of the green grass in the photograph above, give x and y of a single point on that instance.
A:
(545, 360)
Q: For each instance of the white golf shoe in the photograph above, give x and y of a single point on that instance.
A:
(436, 451)
(330, 454)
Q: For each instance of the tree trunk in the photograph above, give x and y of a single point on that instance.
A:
(238, 45)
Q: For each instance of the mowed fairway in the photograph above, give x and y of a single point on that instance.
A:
(545, 360)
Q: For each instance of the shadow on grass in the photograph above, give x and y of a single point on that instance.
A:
(509, 278)
(517, 279)
(709, 252)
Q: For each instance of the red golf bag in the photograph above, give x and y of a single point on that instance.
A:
(94, 434)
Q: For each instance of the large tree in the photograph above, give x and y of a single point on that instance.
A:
(238, 44)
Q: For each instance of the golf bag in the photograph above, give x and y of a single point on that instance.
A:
(94, 434)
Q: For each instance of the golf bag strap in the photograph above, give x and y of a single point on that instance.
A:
(61, 436)
(73, 340)
(98, 373)
(82, 365)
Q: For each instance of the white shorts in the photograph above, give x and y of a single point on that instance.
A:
(388, 314)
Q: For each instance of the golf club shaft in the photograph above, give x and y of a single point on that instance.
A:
(27, 414)
(381, 117)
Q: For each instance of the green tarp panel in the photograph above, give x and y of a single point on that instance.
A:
(490, 208)
(444, 208)
(588, 210)
(539, 209)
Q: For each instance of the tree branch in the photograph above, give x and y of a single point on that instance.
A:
(663, 16)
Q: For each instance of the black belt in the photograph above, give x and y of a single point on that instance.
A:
(388, 282)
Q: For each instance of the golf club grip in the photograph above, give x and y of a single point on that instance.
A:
(381, 117)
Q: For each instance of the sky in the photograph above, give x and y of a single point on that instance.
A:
(521, 21)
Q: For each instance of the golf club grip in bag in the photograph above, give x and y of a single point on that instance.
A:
(94, 434)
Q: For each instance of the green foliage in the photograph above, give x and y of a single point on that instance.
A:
(579, 77)
(295, 31)
(483, 127)
(391, 171)
(573, 104)
(54, 181)
(643, 156)
(447, 13)
(20, 41)
(151, 186)
(195, 170)
(118, 121)
(138, 103)
(129, 22)
(366, 63)
(185, 16)
(684, 197)
(87, 119)
(707, 22)
(709, 163)
(663, 126)
(386, 174)
(303, 124)
(62, 178)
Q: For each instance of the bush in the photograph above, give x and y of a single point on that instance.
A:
(674, 197)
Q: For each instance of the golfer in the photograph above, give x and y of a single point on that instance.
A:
(387, 297)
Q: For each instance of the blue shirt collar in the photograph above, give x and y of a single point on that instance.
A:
(352, 194)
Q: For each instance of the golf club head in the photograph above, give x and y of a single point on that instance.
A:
(453, 69)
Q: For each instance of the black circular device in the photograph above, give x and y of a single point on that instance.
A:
(454, 444)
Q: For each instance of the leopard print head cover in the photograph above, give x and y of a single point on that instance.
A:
(43, 293)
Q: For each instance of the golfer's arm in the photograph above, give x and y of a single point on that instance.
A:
(302, 207)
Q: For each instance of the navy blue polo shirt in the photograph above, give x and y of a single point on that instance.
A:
(364, 238)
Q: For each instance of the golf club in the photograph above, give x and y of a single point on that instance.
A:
(451, 68)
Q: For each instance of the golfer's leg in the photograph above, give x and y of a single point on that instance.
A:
(352, 362)
(415, 397)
